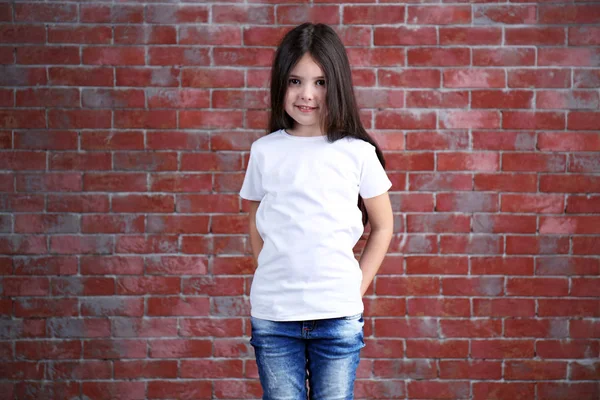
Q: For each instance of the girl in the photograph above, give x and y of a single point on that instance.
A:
(303, 181)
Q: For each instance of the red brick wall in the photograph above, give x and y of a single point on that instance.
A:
(124, 133)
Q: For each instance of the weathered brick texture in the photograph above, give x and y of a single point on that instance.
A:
(124, 134)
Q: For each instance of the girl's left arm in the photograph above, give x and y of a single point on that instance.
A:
(381, 219)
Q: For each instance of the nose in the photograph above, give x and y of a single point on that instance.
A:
(307, 92)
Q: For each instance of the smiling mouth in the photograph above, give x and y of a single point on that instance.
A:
(306, 108)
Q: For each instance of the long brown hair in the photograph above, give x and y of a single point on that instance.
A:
(341, 118)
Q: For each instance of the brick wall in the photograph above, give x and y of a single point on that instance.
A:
(124, 134)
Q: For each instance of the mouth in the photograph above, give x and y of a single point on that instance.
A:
(306, 109)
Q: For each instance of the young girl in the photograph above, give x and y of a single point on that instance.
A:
(313, 182)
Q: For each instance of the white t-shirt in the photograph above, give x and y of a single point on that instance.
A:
(309, 221)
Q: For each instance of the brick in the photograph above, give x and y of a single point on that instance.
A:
(144, 76)
(578, 57)
(201, 389)
(376, 57)
(115, 14)
(537, 245)
(298, 14)
(490, 223)
(474, 78)
(585, 245)
(385, 307)
(438, 390)
(263, 35)
(582, 120)
(437, 99)
(584, 36)
(239, 56)
(472, 369)
(404, 36)
(405, 328)
(567, 348)
(436, 265)
(503, 390)
(529, 162)
(437, 223)
(438, 15)
(403, 369)
(113, 56)
(531, 36)
(568, 307)
(500, 57)
(30, 12)
(373, 14)
(474, 161)
(584, 370)
(567, 266)
(587, 78)
(472, 119)
(442, 307)
(22, 33)
(536, 328)
(504, 307)
(573, 183)
(479, 244)
(560, 390)
(79, 119)
(584, 163)
(129, 369)
(440, 181)
(244, 14)
(405, 120)
(541, 78)
(533, 120)
(569, 224)
(438, 57)
(376, 98)
(176, 14)
(535, 370)
(569, 14)
(384, 389)
(509, 99)
(504, 14)
(583, 204)
(569, 141)
(47, 97)
(584, 328)
(470, 36)
(416, 348)
(533, 203)
(146, 35)
(480, 286)
(567, 100)
(502, 265)
(502, 348)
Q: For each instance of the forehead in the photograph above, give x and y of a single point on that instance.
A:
(306, 67)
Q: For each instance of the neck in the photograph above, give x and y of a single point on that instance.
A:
(307, 131)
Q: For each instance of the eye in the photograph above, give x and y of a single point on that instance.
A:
(294, 81)
(321, 82)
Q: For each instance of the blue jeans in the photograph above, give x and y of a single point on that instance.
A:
(326, 352)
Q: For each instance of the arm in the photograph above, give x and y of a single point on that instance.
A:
(382, 227)
(255, 240)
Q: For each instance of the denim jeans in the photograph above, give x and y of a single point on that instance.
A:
(324, 352)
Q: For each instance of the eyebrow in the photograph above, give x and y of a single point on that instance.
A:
(296, 76)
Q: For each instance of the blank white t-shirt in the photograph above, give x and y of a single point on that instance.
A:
(309, 221)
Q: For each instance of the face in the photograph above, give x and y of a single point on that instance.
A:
(305, 96)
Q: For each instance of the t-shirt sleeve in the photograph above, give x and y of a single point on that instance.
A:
(252, 187)
(373, 179)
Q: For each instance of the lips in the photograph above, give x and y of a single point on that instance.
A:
(306, 108)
